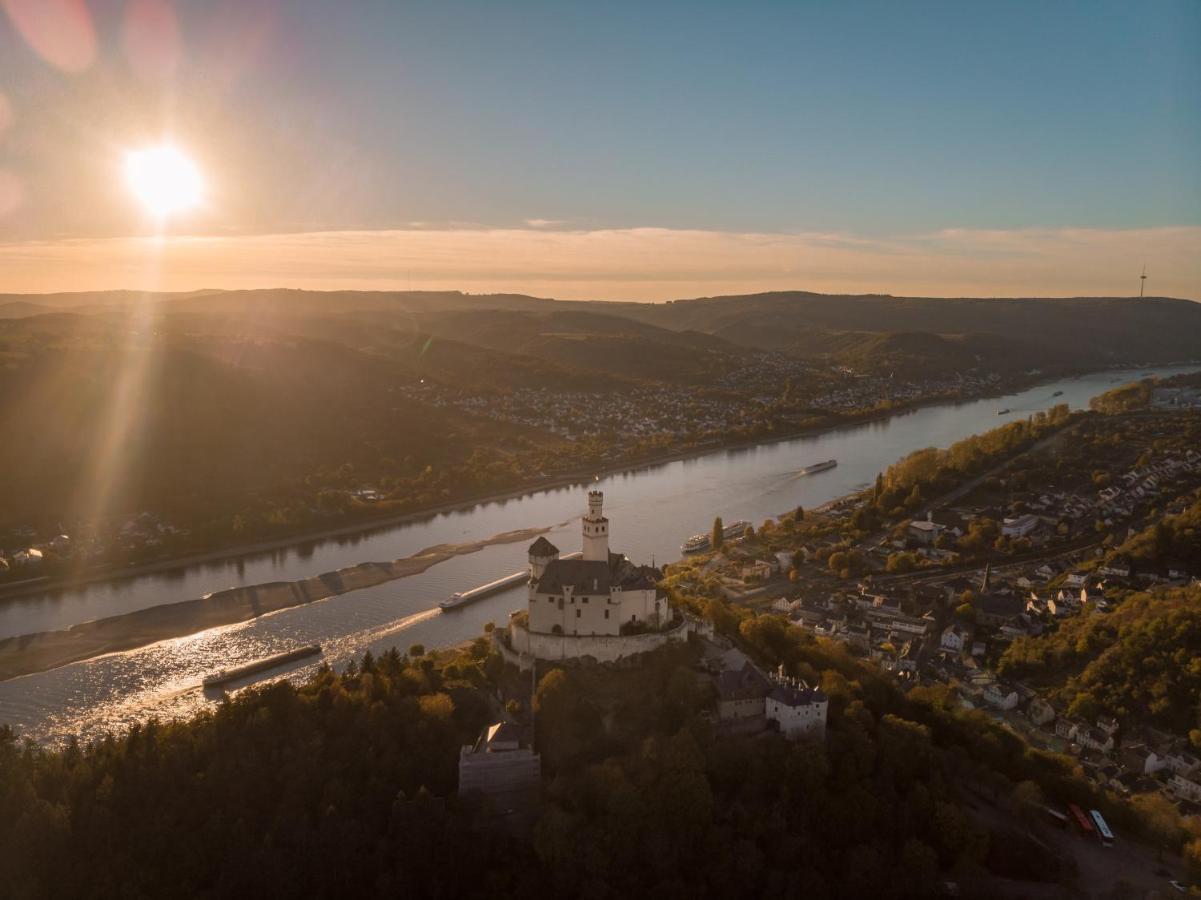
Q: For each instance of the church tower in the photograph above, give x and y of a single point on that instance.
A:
(596, 529)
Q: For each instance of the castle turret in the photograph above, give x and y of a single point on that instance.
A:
(542, 551)
(596, 529)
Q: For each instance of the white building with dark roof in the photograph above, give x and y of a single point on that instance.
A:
(595, 606)
(798, 709)
(601, 593)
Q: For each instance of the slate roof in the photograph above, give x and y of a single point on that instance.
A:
(584, 576)
(747, 683)
(796, 696)
(1002, 605)
(543, 548)
(589, 577)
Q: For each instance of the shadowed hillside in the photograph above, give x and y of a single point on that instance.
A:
(1078, 331)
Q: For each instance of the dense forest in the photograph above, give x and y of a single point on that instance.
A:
(1140, 663)
(932, 471)
(345, 786)
(1172, 539)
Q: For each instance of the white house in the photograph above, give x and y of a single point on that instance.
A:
(799, 710)
(1185, 787)
(1000, 696)
(924, 531)
(1019, 526)
(955, 638)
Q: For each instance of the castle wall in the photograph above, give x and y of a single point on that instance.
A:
(586, 614)
(523, 644)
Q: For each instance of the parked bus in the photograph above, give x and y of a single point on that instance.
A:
(1083, 822)
(1103, 831)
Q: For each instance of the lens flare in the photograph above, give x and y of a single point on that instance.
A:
(164, 180)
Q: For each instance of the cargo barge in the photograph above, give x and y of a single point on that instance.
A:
(462, 598)
(222, 676)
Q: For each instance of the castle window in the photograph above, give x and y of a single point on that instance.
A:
(585, 599)
(577, 613)
(606, 613)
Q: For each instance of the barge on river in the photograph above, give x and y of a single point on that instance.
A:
(222, 676)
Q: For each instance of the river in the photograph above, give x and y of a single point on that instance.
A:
(650, 509)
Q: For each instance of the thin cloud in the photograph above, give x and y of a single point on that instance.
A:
(626, 264)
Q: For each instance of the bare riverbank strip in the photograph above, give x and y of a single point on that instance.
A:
(28, 653)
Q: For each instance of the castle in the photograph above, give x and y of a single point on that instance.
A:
(595, 605)
(600, 593)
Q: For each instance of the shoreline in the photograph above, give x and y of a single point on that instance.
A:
(554, 482)
(41, 651)
(245, 551)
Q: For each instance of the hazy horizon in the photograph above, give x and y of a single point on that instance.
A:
(626, 153)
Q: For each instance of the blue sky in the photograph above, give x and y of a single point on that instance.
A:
(872, 119)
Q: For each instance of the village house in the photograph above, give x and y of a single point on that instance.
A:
(1040, 712)
(1020, 526)
(1000, 696)
(956, 638)
(798, 709)
(924, 531)
(1186, 787)
(994, 609)
(741, 693)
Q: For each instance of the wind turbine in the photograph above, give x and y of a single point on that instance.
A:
(1142, 281)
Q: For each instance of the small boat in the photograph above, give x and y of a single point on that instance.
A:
(1001, 412)
(1057, 394)
(221, 676)
(818, 467)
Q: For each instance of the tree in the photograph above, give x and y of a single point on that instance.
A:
(799, 515)
(718, 534)
(1027, 800)
(879, 489)
(1160, 818)
(749, 534)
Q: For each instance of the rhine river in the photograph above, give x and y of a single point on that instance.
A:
(651, 511)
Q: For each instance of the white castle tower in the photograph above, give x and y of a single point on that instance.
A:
(596, 529)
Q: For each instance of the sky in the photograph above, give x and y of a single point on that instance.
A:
(612, 150)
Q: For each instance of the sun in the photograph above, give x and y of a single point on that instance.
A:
(164, 180)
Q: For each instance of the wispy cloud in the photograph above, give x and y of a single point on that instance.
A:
(627, 264)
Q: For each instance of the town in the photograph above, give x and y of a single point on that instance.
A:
(953, 592)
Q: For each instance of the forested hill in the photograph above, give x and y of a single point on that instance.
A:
(1078, 330)
(998, 334)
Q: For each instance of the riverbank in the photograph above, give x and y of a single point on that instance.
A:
(29, 653)
(28, 588)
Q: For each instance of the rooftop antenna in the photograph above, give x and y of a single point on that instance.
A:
(1142, 281)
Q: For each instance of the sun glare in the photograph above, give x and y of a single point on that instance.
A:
(164, 180)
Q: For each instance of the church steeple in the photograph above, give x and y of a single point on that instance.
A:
(596, 529)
